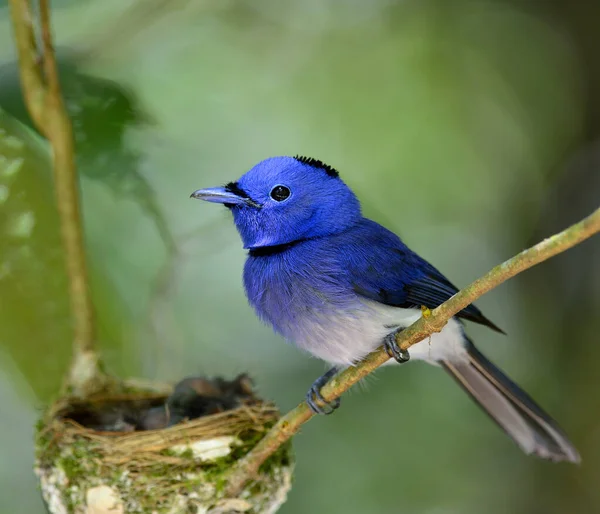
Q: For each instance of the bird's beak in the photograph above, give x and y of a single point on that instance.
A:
(222, 195)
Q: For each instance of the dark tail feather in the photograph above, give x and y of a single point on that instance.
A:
(508, 405)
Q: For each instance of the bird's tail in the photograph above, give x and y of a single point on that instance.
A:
(534, 431)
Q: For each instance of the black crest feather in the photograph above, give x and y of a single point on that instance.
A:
(316, 163)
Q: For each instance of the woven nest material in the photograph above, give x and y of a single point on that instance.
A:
(131, 447)
(157, 470)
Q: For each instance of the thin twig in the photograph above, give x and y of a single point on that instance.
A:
(45, 104)
(246, 468)
(29, 70)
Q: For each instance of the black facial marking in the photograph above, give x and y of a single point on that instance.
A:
(315, 163)
(233, 187)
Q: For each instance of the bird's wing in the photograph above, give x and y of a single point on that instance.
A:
(382, 268)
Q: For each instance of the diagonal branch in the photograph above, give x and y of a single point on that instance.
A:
(45, 104)
(246, 468)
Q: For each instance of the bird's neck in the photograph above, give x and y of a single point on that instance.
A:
(275, 249)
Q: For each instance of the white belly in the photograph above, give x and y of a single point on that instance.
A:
(346, 338)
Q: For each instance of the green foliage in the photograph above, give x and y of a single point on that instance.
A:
(34, 306)
(103, 113)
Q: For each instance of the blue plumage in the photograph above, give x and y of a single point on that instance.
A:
(337, 285)
(320, 204)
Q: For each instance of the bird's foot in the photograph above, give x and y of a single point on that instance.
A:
(392, 348)
(315, 400)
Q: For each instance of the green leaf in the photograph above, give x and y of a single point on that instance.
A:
(102, 113)
(34, 304)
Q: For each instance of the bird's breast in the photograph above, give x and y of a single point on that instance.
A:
(345, 337)
(313, 307)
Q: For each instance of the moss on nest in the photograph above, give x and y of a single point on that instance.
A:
(179, 469)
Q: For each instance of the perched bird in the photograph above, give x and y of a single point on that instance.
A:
(339, 285)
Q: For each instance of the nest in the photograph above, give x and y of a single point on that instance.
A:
(181, 468)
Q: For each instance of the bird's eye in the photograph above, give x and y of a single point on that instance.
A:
(280, 193)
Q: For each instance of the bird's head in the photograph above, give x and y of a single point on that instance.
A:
(286, 199)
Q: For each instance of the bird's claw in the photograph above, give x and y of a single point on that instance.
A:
(314, 398)
(318, 404)
(393, 350)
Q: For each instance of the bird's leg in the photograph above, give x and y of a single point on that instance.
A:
(315, 401)
(392, 348)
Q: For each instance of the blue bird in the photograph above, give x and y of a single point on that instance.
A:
(339, 285)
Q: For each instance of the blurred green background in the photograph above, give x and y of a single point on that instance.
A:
(468, 127)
